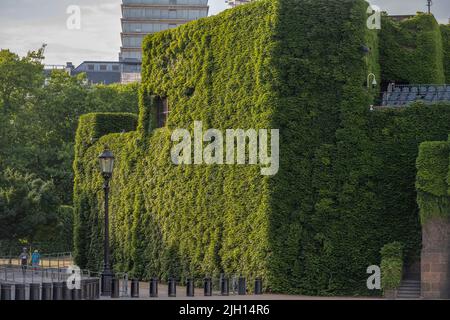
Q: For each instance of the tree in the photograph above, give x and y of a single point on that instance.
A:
(28, 206)
(19, 77)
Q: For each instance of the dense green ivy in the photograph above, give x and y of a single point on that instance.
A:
(345, 186)
(87, 229)
(391, 265)
(411, 50)
(445, 32)
(431, 183)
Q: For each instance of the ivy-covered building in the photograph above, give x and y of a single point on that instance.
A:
(345, 187)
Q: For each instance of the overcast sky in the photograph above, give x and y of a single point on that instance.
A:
(26, 24)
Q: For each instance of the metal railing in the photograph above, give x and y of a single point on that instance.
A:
(51, 260)
(28, 274)
(36, 283)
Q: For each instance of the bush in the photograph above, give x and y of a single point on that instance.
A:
(391, 265)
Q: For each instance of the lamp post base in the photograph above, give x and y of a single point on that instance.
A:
(107, 276)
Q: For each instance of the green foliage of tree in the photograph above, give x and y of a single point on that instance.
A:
(19, 77)
(38, 121)
(39, 132)
(28, 206)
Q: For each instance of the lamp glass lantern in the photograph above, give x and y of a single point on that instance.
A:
(106, 161)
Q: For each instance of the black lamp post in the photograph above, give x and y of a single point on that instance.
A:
(106, 160)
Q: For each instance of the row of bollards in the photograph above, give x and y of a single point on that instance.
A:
(89, 290)
(190, 287)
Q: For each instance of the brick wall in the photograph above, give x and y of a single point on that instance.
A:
(435, 259)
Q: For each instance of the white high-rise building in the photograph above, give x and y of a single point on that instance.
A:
(235, 3)
(142, 17)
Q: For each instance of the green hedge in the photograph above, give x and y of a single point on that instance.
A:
(346, 181)
(86, 226)
(411, 50)
(431, 183)
(391, 265)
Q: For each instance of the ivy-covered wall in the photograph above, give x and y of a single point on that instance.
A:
(411, 50)
(345, 186)
(87, 190)
(445, 33)
(432, 173)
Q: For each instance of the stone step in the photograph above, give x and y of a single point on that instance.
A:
(417, 293)
(408, 295)
(409, 288)
(411, 281)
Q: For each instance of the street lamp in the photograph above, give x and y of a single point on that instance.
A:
(374, 81)
(106, 160)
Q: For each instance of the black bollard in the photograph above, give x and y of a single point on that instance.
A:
(135, 288)
(76, 294)
(35, 289)
(19, 293)
(115, 293)
(84, 289)
(190, 288)
(207, 287)
(258, 286)
(67, 293)
(172, 287)
(5, 292)
(96, 287)
(91, 289)
(224, 287)
(242, 286)
(46, 292)
(58, 290)
(153, 288)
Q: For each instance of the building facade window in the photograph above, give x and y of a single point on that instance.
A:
(162, 112)
(91, 67)
(103, 67)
